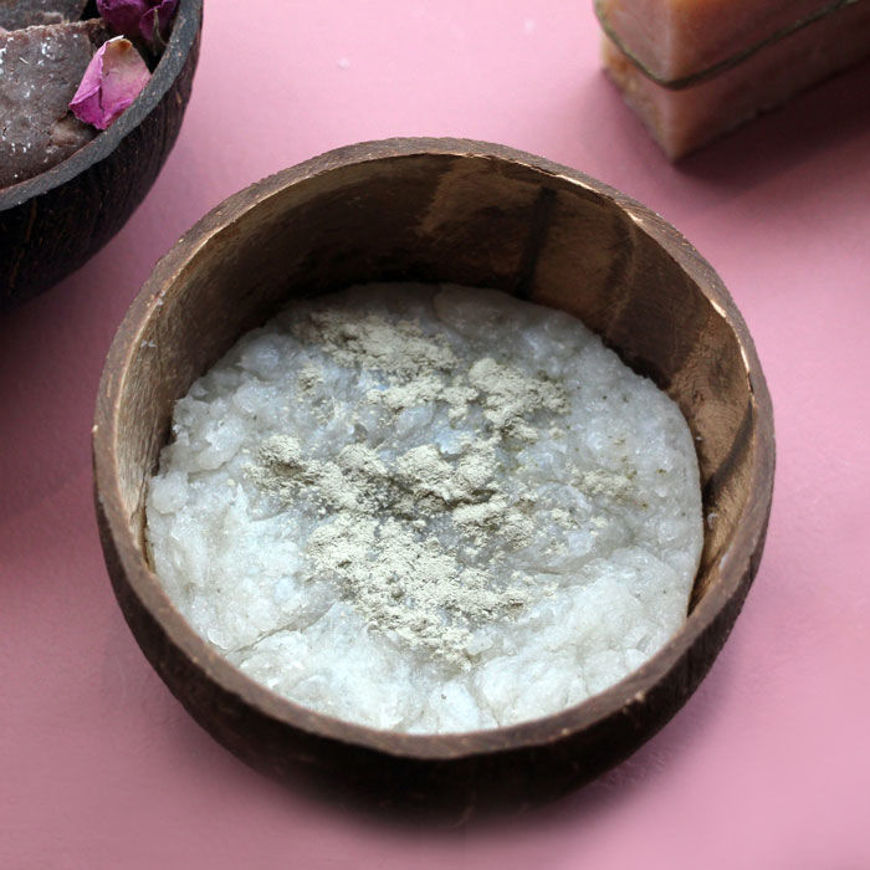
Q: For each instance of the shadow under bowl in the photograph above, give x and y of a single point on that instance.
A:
(53, 223)
(473, 214)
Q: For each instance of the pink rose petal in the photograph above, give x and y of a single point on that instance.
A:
(114, 78)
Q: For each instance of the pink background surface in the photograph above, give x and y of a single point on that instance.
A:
(766, 766)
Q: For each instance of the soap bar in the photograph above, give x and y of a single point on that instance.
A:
(40, 70)
(695, 69)
(16, 14)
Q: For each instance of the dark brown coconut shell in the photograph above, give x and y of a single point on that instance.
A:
(52, 224)
(478, 215)
(16, 14)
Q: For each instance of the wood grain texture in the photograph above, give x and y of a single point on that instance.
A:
(473, 214)
(52, 224)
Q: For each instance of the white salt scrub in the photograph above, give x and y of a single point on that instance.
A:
(428, 509)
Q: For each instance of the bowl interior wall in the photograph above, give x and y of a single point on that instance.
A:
(465, 220)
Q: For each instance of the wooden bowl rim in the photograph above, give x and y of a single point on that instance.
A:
(621, 697)
(185, 30)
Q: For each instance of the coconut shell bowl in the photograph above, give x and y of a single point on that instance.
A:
(53, 223)
(477, 215)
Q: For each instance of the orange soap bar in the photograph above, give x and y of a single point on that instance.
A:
(694, 69)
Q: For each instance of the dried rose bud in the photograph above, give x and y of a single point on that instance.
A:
(150, 20)
(114, 78)
(157, 22)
